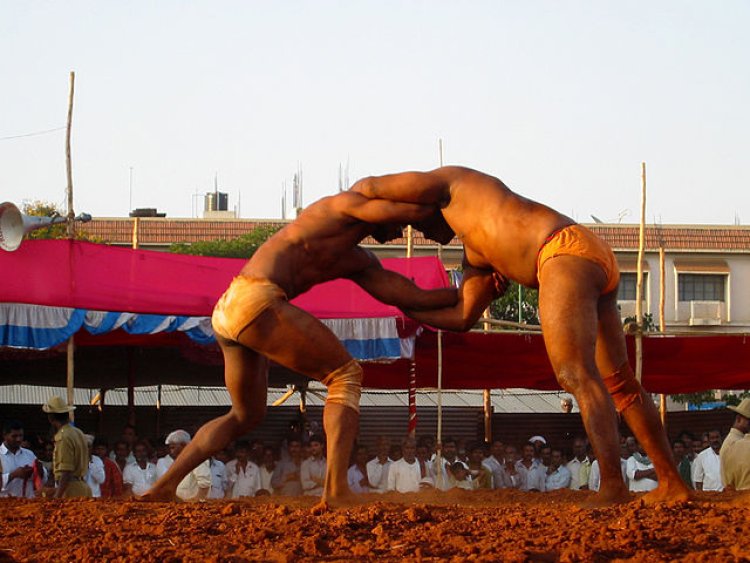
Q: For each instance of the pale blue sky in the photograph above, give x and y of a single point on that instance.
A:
(560, 99)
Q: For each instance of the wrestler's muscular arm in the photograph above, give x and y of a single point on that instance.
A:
(415, 187)
(478, 289)
(394, 289)
(380, 211)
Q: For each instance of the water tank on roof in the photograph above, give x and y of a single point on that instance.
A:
(216, 201)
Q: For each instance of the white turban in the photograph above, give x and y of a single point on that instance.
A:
(178, 437)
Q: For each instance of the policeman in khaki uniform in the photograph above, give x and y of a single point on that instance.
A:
(70, 461)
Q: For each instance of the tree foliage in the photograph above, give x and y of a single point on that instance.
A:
(241, 247)
(709, 397)
(59, 231)
(506, 307)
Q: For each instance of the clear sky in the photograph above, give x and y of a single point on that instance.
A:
(560, 99)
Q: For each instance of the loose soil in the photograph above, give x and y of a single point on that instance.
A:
(457, 526)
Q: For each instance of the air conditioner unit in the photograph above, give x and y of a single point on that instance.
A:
(706, 313)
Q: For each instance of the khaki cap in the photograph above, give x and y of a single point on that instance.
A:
(56, 405)
(743, 408)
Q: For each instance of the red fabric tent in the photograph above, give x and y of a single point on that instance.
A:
(98, 277)
(671, 364)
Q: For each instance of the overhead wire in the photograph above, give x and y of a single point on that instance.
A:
(34, 134)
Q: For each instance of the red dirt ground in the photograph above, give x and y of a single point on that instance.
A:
(458, 526)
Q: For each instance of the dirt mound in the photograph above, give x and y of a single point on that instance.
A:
(461, 525)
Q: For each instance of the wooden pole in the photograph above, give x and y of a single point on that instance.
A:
(440, 368)
(131, 388)
(662, 328)
(158, 410)
(68, 165)
(488, 416)
(70, 365)
(639, 285)
(70, 373)
(136, 225)
(411, 428)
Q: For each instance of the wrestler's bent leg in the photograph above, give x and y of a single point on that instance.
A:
(295, 339)
(633, 402)
(568, 294)
(246, 378)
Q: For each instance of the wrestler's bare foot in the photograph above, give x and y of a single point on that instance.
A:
(157, 495)
(674, 491)
(330, 502)
(607, 497)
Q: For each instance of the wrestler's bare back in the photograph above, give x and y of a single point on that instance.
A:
(320, 245)
(500, 229)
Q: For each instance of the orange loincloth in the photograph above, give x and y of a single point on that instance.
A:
(577, 240)
(242, 303)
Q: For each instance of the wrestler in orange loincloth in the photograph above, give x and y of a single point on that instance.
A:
(577, 276)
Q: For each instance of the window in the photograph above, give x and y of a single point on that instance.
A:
(701, 287)
(628, 285)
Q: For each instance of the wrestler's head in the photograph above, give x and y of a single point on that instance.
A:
(436, 228)
(387, 231)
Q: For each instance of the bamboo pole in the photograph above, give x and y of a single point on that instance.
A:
(662, 328)
(70, 363)
(639, 285)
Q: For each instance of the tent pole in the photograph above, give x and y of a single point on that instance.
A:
(487, 392)
(662, 329)
(70, 379)
(412, 423)
(639, 285)
(131, 388)
(488, 416)
(439, 453)
(158, 410)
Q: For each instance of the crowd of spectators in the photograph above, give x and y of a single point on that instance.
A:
(297, 466)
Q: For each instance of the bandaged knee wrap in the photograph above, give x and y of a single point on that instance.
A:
(624, 387)
(345, 385)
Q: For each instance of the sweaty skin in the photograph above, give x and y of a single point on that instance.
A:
(320, 245)
(502, 232)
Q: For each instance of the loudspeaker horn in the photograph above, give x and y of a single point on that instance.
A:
(14, 224)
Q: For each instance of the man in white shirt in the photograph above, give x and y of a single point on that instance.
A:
(17, 463)
(579, 466)
(267, 466)
(641, 472)
(312, 472)
(357, 474)
(707, 465)
(530, 470)
(243, 474)
(196, 484)
(95, 476)
(139, 475)
(377, 468)
(405, 474)
(558, 476)
(494, 462)
(219, 480)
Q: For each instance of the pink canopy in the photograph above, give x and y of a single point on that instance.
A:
(98, 277)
